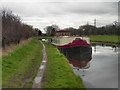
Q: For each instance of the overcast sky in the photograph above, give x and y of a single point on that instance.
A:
(64, 13)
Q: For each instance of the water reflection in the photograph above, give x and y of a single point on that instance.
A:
(47, 40)
(103, 72)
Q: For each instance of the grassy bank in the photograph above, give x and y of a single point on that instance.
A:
(58, 73)
(20, 67)
(45, 37)
(106, 38)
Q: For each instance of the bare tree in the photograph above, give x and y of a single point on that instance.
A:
(13, 30)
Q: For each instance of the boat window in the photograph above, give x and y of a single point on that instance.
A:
(63, 33)
(67, 33)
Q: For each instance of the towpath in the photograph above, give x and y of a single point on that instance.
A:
(37, 81)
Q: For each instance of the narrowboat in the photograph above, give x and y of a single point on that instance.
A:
(77, 49)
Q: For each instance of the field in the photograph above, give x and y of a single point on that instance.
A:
(20, 67)
(105, 38)
(59, 73)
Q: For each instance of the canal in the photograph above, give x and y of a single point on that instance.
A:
(103, 71)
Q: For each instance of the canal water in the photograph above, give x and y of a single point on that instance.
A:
(103, 71)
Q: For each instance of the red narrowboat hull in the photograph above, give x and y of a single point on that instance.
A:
(78, 53)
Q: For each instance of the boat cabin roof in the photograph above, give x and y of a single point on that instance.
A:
(62, 33)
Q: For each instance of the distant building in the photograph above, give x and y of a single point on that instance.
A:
(36, 31)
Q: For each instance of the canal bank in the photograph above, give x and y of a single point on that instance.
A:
(59, 73)
(20, 66)
(113, 40)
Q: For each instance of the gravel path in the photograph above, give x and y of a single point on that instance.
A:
(37, 81)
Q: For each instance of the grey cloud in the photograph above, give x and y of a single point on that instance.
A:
(50, 9)
(92, 8)
(64, 14)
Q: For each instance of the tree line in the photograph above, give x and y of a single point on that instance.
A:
(86, 30)
(13, 30)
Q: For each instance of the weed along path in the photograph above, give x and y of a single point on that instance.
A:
(38, 79)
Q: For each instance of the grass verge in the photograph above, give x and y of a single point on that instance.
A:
(20, 67)
(58, 73)
(106, 38)
(45, 37)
